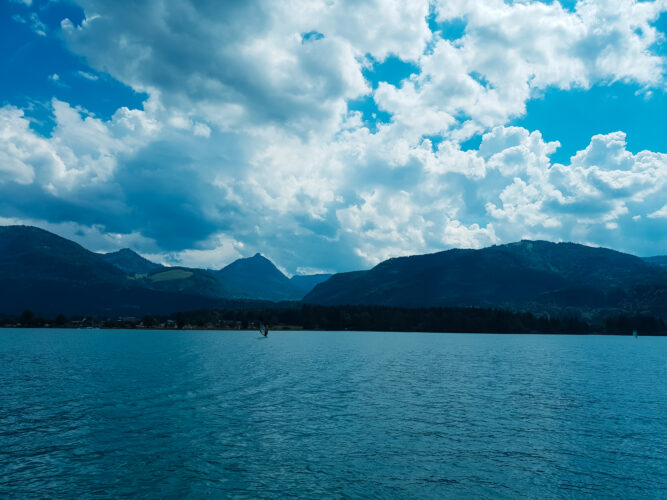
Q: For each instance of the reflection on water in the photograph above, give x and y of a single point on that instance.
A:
(173, 414)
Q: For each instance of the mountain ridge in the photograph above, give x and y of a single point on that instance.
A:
(45, 272)
(528, 275)
(130, 261)
(40, 270)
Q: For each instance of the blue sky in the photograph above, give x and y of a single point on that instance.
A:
(335, 136)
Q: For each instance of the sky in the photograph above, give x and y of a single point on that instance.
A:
(330, 135)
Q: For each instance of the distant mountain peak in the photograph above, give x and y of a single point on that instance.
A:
(130, 261)
(125, 251)
(255, 263)
(258, 258)
(258, 277)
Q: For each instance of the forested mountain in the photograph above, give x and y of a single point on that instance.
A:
(50, 274)
(258, 278)
(660, 260)
(130, 261)
(535, 276)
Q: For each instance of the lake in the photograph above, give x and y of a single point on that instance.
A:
(172, 414)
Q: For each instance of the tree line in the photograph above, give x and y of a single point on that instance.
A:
(361, 318)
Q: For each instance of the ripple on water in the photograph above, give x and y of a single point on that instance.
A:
(172, 414)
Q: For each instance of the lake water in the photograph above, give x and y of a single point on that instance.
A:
(192, 414)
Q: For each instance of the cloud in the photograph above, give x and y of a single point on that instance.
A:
(325, 205)
(232, 64)
(216, 252)
(511, 52)
(87, 76)
(604, 187)
(659, 214)
(32, 21)
(93, 237)
(246, 142)
(18, 151)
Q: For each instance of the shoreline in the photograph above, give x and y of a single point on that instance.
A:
(361, 319)
(278, 330)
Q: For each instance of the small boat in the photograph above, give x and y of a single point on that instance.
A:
(263, 329)
(634, 333)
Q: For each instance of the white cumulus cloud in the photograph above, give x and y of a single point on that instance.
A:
(246, 142)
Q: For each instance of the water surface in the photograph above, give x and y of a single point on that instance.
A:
(192, 414)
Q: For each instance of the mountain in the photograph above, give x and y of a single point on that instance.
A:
(50, 275)
(256, 277)
(130, 261)
(529, 275)
(306, 282)
(660, 260)
(186, 280)
(28, 253)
